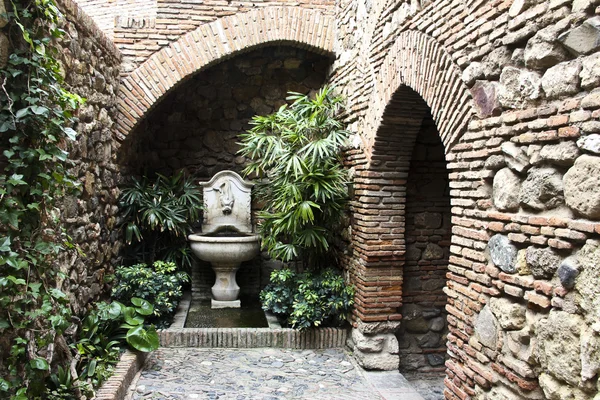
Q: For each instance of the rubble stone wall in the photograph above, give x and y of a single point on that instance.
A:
(91, 66)
(422, 335)
(512, 89)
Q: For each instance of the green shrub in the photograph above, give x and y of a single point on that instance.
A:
(102, 333)
(308, 299)
(297, 150)
(160, 285)
(158, 216)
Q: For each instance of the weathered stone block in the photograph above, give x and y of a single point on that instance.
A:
(433, 252)
(486, 328)
(370, 328)
(428, 220)
(367, 344)
(518, 6)
(568, 271)
(543, 262)
(584, 39)
(558, 349)
(510, 315)
(495, 61)
(473, 72)
(506, 187)
(542, 190)
(522, 266)
(587, 283)
(503, 253)
(562, 79)
(386, 359)
(590, 71)
(590, 354)
(515, 157)
(590, 143)
(582, 186)
(485, 98)
(563, 154)
(518, 87)
(557, 390)
(495, 162)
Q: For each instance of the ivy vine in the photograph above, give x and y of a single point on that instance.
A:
(36, 113)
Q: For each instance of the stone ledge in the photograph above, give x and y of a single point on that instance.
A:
(273, 336)
(115, 388)
(316, 338)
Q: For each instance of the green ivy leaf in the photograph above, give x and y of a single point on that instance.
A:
(5, 244)
(91, 370)
(39, 363)
(71, 133)
(39, 110)
(22, 113)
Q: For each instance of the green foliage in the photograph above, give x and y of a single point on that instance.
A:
(308, 299)
(158, 216)
(297, 152)
(160, 285)
(36, 115)
(103, 332)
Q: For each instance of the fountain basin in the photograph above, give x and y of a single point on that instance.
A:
(225, 252)
(226, 248)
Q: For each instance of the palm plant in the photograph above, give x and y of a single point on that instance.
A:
(297, 153)
(158, 216)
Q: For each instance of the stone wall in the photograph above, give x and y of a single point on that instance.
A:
(512, 88)
(91, 65)
(423, 331)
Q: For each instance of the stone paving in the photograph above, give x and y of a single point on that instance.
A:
(265, 374)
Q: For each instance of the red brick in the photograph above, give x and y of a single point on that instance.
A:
(538, 299)
(557, 120)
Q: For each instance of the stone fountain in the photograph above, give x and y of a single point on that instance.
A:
(227, 237)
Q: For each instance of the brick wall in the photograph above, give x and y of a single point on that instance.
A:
(513, 97)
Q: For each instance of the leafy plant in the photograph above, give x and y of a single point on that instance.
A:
(158, 216)
(36, 115)
(102, 333)
(160, 285)
(308, 299)
(296, 151)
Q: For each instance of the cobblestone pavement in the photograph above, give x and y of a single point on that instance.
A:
(265, 374)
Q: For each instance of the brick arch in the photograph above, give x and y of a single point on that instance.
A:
(417, 86)
(211, 43)
(418, 62)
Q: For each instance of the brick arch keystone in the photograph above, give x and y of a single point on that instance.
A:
(214, 42)
(418, 62)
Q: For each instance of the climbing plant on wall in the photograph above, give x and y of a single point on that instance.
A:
(36, 113)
